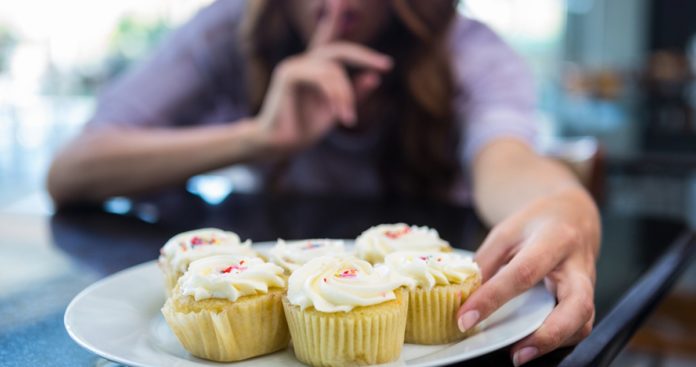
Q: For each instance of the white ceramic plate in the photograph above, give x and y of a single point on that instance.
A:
(119, 319)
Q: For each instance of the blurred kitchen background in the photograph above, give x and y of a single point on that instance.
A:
(617, 99)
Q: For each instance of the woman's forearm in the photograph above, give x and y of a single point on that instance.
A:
(546, 228)
(109, 162)
(508, 175)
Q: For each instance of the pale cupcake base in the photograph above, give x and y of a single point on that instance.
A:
(432, 314)
(225, 331)
(364, 336)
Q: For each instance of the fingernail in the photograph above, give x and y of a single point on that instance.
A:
(468, 320)
(524, 355)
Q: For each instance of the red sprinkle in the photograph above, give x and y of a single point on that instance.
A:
(348, 273)
(233, 267)
(195, 241)
(397, 233)
(324, 280)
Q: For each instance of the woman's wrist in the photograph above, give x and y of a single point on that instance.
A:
(253, 139)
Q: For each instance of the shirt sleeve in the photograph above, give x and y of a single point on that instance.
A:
(185, 76)
(495, 91)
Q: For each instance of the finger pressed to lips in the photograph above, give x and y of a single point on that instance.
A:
(327, 27)
(324, 43)
(341, 92)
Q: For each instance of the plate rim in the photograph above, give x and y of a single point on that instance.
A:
(83, 293)
(90, 346)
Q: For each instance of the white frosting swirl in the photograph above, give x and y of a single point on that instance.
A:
(292, 254)
(186, 247)
(340, 283)
(427, 269)
(376, 242)
(230, 277)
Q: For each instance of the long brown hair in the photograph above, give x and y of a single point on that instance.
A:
(419, 154)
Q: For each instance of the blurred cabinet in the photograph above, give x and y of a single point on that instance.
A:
(669, 84)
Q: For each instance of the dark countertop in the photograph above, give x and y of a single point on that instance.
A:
(45, 261)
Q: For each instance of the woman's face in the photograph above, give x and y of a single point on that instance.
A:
(359, 21)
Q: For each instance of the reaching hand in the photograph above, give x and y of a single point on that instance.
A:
(555, 239)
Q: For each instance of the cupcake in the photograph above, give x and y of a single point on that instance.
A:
(293, 254)
(182, 249)
(229, 308)
(438, 284)
(375, 243)
(341, 311)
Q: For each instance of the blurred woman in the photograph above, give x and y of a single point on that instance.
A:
(356, 97)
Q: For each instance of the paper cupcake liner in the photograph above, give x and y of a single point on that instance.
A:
(250, 327)
(432, 314)
(364, 336)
